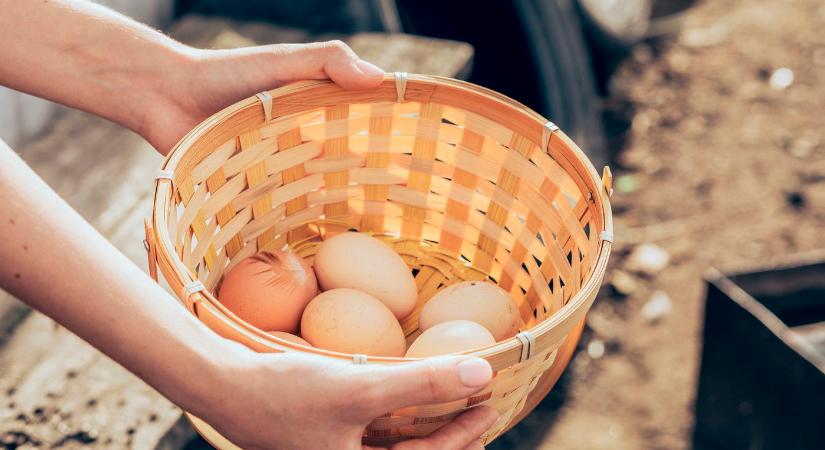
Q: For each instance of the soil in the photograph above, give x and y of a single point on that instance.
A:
(720, 169)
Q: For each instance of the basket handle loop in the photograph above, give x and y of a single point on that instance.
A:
(607, 181)
(193, 292)
(149, 245)
(528, 345)
(547, 131)
(266, 101)
(400, 86)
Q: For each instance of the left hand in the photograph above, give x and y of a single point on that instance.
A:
(205, 81)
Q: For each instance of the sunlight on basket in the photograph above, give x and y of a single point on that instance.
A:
(464, 183)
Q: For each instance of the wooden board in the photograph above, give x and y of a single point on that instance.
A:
(56, 389)
(392, 52)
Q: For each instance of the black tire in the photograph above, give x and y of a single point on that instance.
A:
(531, 50)
(563, 62)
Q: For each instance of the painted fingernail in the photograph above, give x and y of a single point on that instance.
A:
(368, 68)
(474, 372)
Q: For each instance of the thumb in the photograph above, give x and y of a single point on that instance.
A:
(434, 380)
(322, 60)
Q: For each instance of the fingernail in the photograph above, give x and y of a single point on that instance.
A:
(368, 68)
(474, 372)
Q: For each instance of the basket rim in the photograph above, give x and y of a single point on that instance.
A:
(556, 325)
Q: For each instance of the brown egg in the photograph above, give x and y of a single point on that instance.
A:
(454, 336)
(477, 301)
(359, 261)
(289, 337)
(269, 290)
(349, 321)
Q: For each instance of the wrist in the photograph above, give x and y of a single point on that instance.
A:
(215, 365)
(167, 104)
(232, 363)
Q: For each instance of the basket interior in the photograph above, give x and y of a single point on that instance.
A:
(462, 182)
(458, 194)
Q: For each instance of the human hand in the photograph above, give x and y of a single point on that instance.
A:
(299, 401)
(205, 81)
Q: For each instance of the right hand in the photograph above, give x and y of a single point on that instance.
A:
(299, 401)
(209, 80)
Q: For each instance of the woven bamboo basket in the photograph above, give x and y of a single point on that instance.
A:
(463, 182)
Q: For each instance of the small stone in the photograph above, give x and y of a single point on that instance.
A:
(595, 349)
(704, 37)
(781, 78)
(599, 323)
(796, 200)
(623, 283)
(657, 307)
(627, 183)
(804, 146)
(648, 259)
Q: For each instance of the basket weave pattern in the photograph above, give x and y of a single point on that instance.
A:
(464, 183)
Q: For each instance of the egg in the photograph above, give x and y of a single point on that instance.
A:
(476, 301)
(351, 321)
(362, 262)
(289, 337)
(453, 336)
(269, 290)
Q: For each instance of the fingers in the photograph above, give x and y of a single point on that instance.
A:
(461, 433)
(434, 380)
(321, 60)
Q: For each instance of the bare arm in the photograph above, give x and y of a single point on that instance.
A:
(57, 263)
(89, 57)
(60, 265)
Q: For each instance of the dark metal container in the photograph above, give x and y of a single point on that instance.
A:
(762, 378)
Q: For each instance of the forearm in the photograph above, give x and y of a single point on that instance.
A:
(88, 57)
(56, 262)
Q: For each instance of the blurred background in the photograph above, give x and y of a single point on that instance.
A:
(709, 332)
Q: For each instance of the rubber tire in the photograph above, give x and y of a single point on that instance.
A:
(531, 50)
(563, 62)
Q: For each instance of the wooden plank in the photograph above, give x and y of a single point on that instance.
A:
(416, 54)
(56, 388)
(392, 52)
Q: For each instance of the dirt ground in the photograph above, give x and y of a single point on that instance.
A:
(720, 169)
